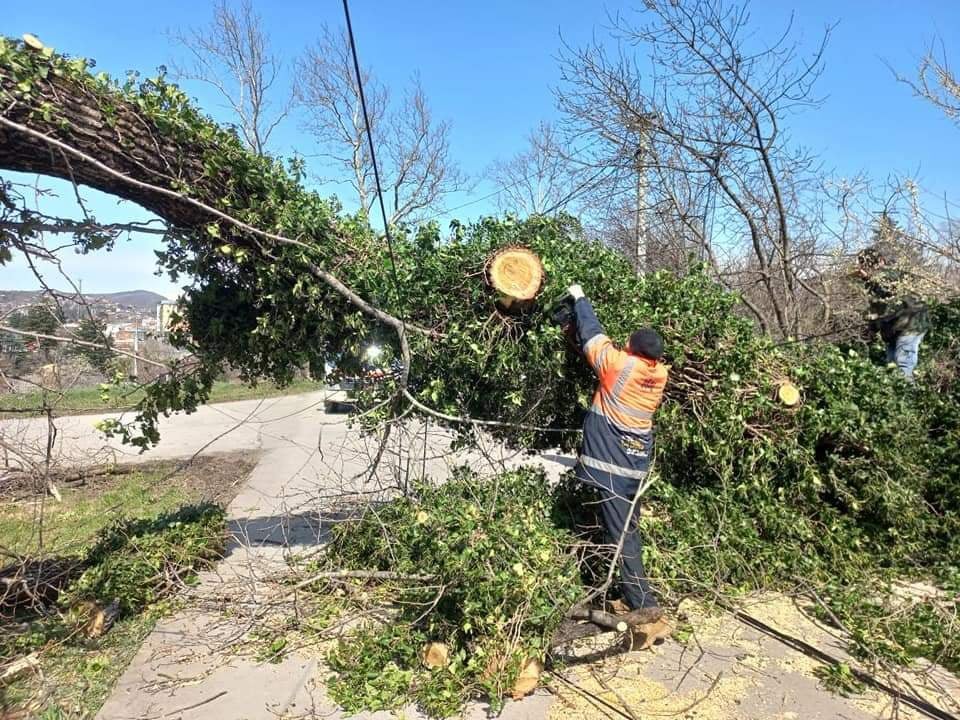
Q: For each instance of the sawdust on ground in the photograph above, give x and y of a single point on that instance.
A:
(630, 691)
(628, 684)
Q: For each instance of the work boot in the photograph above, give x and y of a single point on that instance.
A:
(633, 617)
(646, 635)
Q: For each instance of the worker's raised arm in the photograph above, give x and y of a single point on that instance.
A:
(597, 347)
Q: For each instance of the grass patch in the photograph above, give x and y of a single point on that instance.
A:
(79, 676)
(70, 527)
(137, 537)
(89, 400)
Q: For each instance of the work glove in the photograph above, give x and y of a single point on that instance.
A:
(575, 291)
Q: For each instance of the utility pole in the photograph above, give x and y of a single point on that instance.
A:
(639, 229)
(641, 126)
(136, 348)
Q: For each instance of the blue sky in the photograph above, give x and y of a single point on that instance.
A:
(490, 68)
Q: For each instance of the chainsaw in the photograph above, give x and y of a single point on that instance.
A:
(564, 316)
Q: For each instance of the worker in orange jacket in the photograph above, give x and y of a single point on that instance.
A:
(618, 440)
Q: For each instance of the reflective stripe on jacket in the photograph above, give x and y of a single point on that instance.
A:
(618, 430)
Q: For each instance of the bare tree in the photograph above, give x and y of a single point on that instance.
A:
(542, 179)
(707, 121)
(937, 233)
(232, 54)
(936, 83)
(415, 164)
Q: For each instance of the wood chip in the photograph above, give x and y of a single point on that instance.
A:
(528, 679)
(436, 655)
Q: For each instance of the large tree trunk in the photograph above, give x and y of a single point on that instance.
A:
(128, 143)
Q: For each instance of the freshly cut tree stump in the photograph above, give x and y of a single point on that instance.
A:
(516, 273)
(788, 393)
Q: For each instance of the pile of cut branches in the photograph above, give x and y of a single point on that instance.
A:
(501, 576)
(133, 565)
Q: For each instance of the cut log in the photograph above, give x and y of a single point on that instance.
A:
(32, 41)
(571, 631)
(597, 623)
(528, 679)
(599, 617)
(788, 393)
(516, 273)
(18, 667)
(436, 655)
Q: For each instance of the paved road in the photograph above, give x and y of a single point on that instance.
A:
(225, 427)
(283, 423)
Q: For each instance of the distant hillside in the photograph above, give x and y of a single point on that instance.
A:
(139, 299)
(135, 298)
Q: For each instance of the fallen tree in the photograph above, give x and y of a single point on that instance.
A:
(843, 489)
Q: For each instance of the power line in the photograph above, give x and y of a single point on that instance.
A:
(373, 161)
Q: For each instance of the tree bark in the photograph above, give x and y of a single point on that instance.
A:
(129, 155)
(128, 142)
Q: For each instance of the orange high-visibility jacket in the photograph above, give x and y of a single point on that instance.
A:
(618, 430)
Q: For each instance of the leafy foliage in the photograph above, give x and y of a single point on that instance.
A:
(138, 562)
(502, 576)
(95, 331)
(849, 495)
(43, 318)
(135, 563)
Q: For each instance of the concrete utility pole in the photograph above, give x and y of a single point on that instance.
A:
(136, 347)
(639, 228)
(641, 125)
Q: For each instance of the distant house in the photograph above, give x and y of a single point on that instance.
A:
(126, 336)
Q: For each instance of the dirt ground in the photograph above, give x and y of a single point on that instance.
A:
(215, 477)
(726, 670)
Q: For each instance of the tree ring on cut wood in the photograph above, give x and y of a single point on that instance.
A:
(516, 273)
(788, 393)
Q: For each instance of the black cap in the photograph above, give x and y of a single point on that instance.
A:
(648, 343)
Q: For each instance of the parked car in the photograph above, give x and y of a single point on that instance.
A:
(342, 397)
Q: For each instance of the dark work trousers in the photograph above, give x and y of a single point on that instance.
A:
(614, 497)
